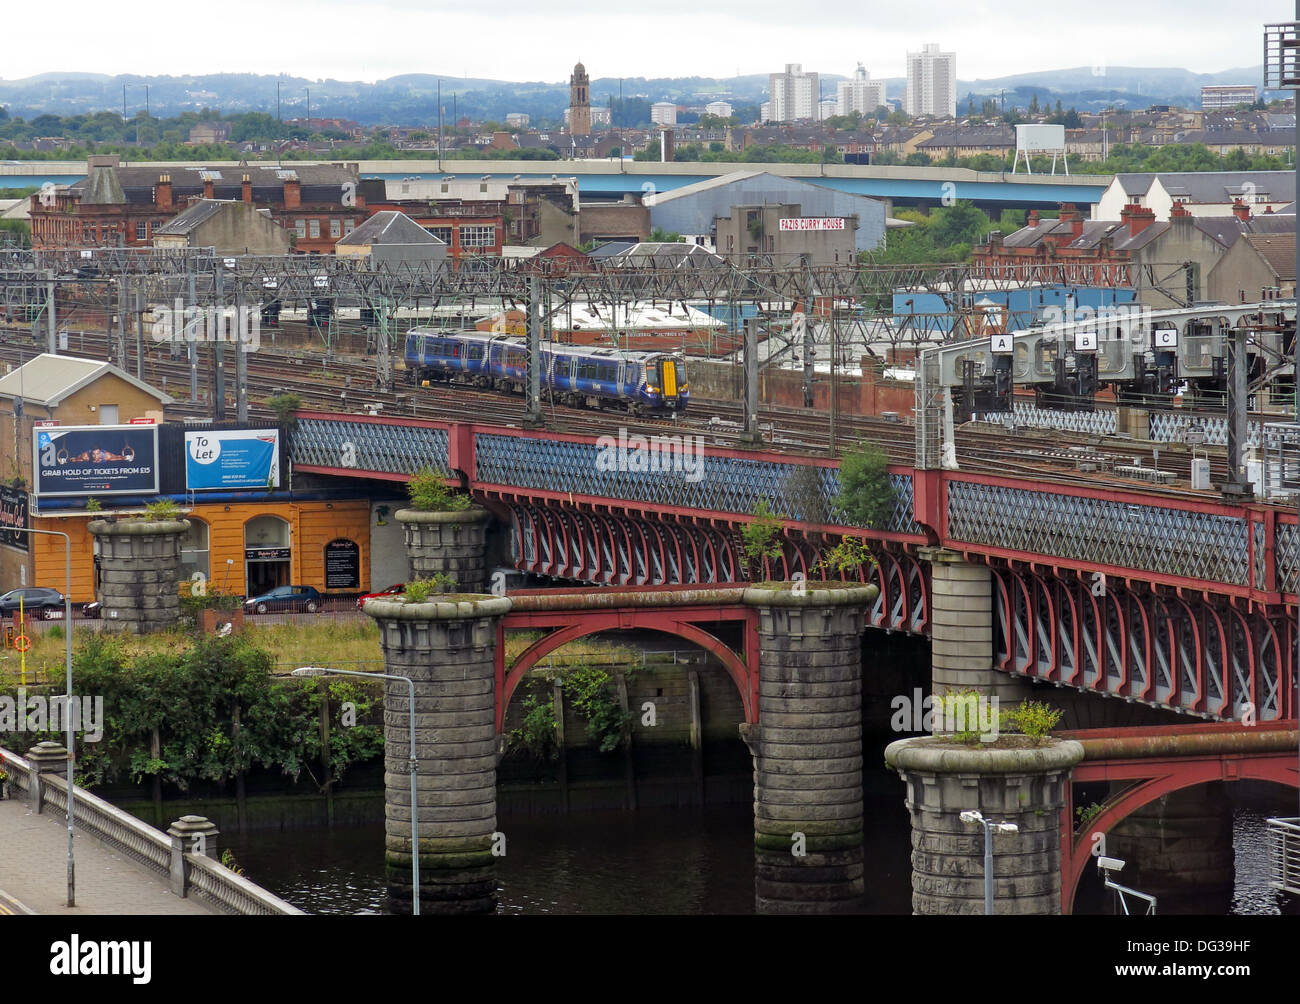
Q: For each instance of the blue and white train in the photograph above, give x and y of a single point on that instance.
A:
(583, 376)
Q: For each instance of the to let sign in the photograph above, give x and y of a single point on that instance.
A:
(813, 223)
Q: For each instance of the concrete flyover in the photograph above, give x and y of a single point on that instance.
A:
(609, 178)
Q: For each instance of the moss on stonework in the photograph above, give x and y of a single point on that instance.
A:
(811, 842)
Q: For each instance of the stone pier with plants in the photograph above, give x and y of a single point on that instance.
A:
(446, 644)
(446, 535)
(807, 747)
(1012, 779)
(140, 559)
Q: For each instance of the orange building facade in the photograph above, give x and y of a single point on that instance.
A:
(242, 548)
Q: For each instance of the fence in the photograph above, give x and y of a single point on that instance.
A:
(142, 843)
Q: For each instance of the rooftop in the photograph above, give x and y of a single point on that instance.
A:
(48, 380)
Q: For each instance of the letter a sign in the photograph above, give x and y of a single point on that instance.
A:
(1000, 345)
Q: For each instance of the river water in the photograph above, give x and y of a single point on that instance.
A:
(651, 861)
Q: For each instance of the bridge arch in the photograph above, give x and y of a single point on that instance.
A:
(742, 675)
(1077, 850)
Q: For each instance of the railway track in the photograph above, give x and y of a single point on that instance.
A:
(345, 384)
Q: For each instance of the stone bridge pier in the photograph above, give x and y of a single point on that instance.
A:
(448, 650)
(807, 749)
(961, 629)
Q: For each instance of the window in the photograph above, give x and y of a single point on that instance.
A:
(478, 237)
(300, 227)
(349, 226)
(336, 228)
(313, 227)
(141, 231)
(445, 188)
(194, 549)
(108, 414)
(442, 233)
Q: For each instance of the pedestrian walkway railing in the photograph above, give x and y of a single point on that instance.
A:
(186, 870)
(1284, 854)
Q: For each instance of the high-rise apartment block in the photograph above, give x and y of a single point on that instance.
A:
(794, 94)
(931, 82)
(861, 94)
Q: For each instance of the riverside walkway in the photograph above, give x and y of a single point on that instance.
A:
(34, 872)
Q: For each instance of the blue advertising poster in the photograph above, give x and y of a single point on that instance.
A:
(232, 458)
(95, 460)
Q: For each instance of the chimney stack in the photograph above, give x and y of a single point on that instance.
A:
(1241, 210)
(207, 188)
(1179, 211)
(1137, 218)
(292, 193)
(1032, 220)
(246, 188)
(163, 192)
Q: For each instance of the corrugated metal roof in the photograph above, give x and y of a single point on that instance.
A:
(48, 379)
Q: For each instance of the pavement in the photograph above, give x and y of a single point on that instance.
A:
(34, 872)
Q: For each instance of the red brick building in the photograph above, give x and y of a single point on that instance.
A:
(123, 206)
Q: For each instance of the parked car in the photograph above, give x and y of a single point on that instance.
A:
(92, 610)
(396, 590)
(282, 598)
(41, 603)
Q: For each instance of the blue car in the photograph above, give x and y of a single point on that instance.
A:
(296, 599)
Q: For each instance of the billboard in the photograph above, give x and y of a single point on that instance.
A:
(1034, 138)
(95, 460)
(13, 514)
(812, 223)
(232, 458)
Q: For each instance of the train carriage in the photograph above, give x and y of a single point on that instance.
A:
(578, 375)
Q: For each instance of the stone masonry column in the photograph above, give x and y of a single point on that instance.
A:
(1025, 786)
(454, 543)
(448, 650)
(139, 573)
(807, 749)
(961, 629)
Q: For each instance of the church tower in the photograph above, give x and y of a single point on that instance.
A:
(580, 102)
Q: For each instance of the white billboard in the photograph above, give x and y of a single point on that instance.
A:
(1038, 138)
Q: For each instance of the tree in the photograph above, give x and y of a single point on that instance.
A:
(760, 538)
(866, 497)
(1033, 105)
(661, 236)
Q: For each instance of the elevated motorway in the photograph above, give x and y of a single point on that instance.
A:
(613, 178)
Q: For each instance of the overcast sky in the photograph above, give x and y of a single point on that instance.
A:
(541, 39)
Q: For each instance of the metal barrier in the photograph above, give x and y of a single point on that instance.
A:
(1284, 854)
(147, 846)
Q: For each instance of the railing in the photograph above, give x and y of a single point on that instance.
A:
(147, 846)
(1284, 854)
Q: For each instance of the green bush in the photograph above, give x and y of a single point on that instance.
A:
(429, 493)
(866, 496)
(592, 693)
(536, 735)
(760, 538)
(1034, 719)
(162, 511)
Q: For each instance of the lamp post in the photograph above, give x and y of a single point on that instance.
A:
(412, 762)
(990, 827)
(67, 715)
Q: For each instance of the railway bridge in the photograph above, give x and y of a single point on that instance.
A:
(1175, 600)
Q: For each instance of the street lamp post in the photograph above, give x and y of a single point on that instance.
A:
(67, 714)
(990, 827)
(412, 762)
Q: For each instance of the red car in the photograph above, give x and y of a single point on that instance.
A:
(396, 590)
